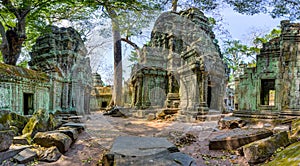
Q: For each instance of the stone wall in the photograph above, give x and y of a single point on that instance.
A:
(23, 90)
(100, 95)
(273, 86)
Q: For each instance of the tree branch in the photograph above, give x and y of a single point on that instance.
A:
(10, 7)
(135, 46)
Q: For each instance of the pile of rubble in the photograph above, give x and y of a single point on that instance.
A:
(40, 137)
(268, 144)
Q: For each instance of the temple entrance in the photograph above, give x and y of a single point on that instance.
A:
(267, 92)
(104, 104)
(28, 103)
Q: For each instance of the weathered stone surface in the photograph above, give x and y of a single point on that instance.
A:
(79, 126)
(38, 122)
(231, 122)
(25, 156)
(295, 128)
(261, 150)
(130, 150)
(21, 140)
(13, 150)
(6, 139)
(69, 131)
(288, 156)
(53, 122)
(236, 138)
(48, 139)
(51, 154)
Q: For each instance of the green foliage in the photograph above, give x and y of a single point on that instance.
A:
(276, 8)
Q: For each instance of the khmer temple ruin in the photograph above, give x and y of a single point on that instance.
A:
(59, 78)
(101, 95)
(181, 67)
(273, 86)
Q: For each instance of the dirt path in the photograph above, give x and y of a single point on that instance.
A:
(102, 130)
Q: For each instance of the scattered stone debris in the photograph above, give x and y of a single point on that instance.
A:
(115, 112)
(132, 150)
(6, 138)
(231, 122)
(236, 138)
(185, 139)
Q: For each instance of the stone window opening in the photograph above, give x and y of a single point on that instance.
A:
(267, 95)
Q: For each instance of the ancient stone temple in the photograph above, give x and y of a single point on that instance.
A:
(181, 67)
(273, 86)
(59, 78)
(101, 95)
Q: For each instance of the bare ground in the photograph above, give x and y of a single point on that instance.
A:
(191, 138)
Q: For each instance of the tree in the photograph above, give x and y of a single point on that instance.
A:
(22, 20)
(234, 55)
(122, 14)
(276, 8)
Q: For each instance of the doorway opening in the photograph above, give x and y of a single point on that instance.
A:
(28, 103)
(267, 92)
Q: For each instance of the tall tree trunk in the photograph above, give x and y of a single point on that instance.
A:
(14, 37)
(117, 89)
(174, 5)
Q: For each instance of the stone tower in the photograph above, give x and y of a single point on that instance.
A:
(61, 53)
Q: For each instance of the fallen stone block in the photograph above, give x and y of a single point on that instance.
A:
(288, 156)
(131, 150)
(25, 156)
(69, 131)
(6, 139)
(231, 122)
(51, 154)
(79, 126)
(12, 151)
(151, 116)
(236, 138)
(53, 138)
(261, 150)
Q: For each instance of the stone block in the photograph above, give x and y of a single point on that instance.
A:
(131, 150)
(12, 151)
(236, 138)
(6, 139)
(25, 156)
(79, 126)
(53, 138)
(51, 154)
(151, 116)
(20, 140)
(231, 122)
(71, 132)
(261, 150)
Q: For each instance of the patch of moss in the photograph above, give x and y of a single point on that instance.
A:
(289, 156)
